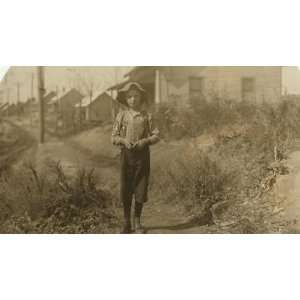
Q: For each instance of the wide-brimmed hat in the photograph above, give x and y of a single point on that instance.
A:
(121, 97)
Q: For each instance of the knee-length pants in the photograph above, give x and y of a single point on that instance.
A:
(135, 171)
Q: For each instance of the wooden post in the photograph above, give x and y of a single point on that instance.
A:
(41, 88)
(88, 113)
(18, 100)
(157, 87)
(32, 79)
(80, 108)
(31, 101)
(7, 100)
(55, 112)
(114, 106)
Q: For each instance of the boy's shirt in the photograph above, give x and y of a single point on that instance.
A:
(134, 126)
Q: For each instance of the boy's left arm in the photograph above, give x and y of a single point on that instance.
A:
(153, 132)
(152, 137)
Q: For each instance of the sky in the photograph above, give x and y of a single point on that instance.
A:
(21, 81)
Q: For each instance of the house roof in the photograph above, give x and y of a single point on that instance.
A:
(3, 106)
(86, 101)
(49, 95)
(118, 85)
(53, 100)
(140, 68)
(132, 70)
(61, 95)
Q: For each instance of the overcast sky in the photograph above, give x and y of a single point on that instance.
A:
(21, 79)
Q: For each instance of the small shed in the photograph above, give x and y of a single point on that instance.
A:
(97, 107)
(63, 106)
(48, 96)
(4, 108)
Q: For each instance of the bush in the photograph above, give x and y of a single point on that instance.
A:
(53, 202)
(197, 181)
(202, 116)
(229, 180)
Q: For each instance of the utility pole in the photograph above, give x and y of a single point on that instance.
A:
(18, 91)
(18, 100)
(31, 103)
(89, 109)
(7, 100)
(32, 80)
(40, 93)
(113, 104)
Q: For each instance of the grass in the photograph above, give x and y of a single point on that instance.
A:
(228, 182)
(52, 202)
(225, 184)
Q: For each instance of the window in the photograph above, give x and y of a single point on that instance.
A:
(196, 87)
(248, 87)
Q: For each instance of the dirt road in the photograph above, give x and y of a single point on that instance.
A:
(15, 142)
(158, 217)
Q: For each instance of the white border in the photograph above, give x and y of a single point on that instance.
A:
(149, 267)
(187, 32)
(132, 32)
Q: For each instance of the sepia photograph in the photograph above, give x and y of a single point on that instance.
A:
(150, 149)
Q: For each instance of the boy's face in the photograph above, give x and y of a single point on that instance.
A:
(134, 98)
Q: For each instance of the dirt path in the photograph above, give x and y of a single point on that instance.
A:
(159, 217)
(13, 152)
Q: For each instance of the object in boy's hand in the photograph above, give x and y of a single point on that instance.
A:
(127, 144)
(139, 145)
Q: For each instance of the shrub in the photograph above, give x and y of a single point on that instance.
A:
(229, 180)
(53, 202)
(202, 116)
(198, 182)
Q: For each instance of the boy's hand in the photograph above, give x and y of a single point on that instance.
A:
(127, 144)
(139, 145)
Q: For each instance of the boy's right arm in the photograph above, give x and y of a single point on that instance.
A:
(116, 138)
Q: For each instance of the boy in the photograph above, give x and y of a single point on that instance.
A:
(134, 132)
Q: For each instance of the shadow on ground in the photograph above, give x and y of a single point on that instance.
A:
(175, 228)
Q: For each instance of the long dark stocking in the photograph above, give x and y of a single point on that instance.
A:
(138, 209)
